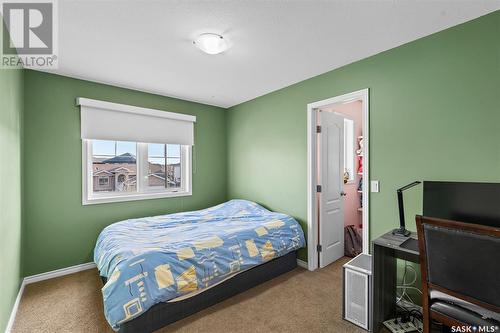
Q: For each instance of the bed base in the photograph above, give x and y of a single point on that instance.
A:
(163, 314)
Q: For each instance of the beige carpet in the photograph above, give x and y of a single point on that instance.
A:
(299, 301)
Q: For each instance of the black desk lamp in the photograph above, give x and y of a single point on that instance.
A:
(401, 231)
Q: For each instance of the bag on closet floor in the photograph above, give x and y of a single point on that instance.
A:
(353, 243)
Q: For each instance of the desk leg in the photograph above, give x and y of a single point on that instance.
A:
(384, 285)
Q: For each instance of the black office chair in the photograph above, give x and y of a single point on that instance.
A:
(460, 265)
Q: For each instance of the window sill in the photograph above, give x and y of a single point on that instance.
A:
(133, 197)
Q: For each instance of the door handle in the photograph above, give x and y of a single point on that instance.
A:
(343, 194)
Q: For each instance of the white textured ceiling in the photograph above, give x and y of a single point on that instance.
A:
(147, 45)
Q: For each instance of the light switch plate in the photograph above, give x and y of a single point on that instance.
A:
(374, 185)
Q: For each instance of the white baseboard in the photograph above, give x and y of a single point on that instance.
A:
(13, 313)
(302, 263)
(59, 272)
(41, 277)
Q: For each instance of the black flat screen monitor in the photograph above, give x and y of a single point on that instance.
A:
(477, 203)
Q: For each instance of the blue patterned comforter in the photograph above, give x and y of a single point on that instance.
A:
(156, 259)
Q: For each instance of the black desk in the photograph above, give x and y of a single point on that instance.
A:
(386, 249)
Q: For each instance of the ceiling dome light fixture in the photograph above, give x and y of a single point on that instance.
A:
(211, 43)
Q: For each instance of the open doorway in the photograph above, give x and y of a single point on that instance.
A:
(338, 165)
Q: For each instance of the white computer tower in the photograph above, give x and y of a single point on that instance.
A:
(357, 291)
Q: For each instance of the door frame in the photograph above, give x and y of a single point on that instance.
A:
(312, 204)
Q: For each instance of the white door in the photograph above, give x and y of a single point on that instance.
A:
(331, 171)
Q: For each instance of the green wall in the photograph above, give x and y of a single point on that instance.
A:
(434, 115)
(58, 230)
(11, 104)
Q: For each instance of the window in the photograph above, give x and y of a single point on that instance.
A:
(103, 181)
(349, 150)
(121, 171)
(164, 166)
(132, 153)
(114, 165)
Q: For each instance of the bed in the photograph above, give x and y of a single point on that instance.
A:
(161, 269)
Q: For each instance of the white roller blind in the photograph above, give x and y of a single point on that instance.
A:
(110, 121)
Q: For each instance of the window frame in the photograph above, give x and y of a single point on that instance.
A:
(142, 193)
